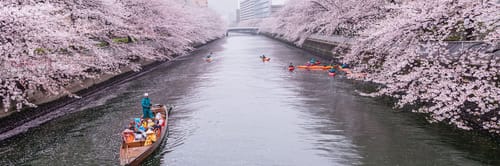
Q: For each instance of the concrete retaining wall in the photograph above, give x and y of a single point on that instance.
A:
(47, 104)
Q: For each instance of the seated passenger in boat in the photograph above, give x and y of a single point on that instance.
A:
(128, 133)
(150, 137)
(138, 126)
(158, 122)
(139, 130)
(144, 124)
(159, 119)
(150, 124)
(131, 126)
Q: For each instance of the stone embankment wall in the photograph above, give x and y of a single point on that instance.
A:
(47, 103)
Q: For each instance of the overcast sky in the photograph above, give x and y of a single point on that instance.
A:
(226, 7)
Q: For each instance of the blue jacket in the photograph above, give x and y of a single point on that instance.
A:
(313, 60)
(138, 125)
(146, 103)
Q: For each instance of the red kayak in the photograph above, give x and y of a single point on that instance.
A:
(331, 74)
(291, 68)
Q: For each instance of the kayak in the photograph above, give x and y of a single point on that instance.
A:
(315, 63)
(134, 152)
(291, 68)
(266, 59)
(331, 74)
(208, 59)
(315, 67)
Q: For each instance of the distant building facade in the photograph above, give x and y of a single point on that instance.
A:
(275, 8)
(257, 9)
(237, 15)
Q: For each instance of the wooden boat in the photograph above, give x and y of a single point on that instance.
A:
(315, 67)
(134, 152)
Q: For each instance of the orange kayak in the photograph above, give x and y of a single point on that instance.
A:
(315, 67)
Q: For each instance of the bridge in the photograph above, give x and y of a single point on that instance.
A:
(254, 30)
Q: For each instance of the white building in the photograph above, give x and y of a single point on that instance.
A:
(257, 9)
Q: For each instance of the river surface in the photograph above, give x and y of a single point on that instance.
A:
(238, 110)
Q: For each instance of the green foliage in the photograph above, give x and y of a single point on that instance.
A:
(40, 51)
(453, 38)
(102, 44)
(123, 40)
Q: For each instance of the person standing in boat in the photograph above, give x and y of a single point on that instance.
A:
(146, 107)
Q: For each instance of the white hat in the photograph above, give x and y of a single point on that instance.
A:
(146, 94)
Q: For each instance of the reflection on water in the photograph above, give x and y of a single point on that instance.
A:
(238, 110)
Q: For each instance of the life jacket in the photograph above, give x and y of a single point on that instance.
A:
(128, 137)
(138, 125)
(150, 138)
(150, 124)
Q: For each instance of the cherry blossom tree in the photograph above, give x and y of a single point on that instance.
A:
(301, 18)
(47, 45)
(411, 55)
(406, 46)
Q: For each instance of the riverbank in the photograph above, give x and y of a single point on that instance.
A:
(324, 50)
(282, 114)
(316, 47)
(46, 104)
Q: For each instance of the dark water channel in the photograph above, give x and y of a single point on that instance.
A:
(238, 110)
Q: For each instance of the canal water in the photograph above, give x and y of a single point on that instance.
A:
(238, 110)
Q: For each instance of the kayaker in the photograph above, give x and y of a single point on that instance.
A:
(291, 67)
(146, 107)
(263, 56)
(312, 61)
(210, 55)
(345, 65)
(332, 70)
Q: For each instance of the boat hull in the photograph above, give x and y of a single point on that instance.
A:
(134, 154)
(315, 67)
